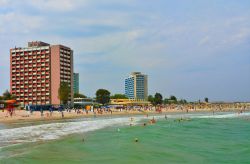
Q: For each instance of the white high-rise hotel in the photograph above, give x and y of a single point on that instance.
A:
(136, 86)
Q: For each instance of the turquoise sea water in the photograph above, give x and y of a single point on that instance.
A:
(198, 138)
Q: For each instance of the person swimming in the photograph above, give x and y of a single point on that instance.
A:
(153, 120)
(136, 140)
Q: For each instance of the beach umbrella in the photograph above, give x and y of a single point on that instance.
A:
(10, 101)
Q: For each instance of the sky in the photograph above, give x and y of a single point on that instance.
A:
(188, 48)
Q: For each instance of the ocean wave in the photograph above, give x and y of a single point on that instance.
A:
(56, 130)
(206, 115)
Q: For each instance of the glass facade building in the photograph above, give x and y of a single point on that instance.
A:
(136, 86)
(76, 82)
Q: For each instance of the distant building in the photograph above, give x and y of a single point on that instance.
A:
(130, 102)
(37, 71)
(82, 102)
(76, 82)
(136, 86)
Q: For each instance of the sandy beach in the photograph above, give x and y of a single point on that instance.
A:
(22, 115)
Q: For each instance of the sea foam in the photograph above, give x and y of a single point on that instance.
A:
(56, 130)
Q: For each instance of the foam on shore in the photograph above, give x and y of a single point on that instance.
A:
(55, 130)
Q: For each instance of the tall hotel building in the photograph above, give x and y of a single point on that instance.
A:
(37, 71)
(136, 86)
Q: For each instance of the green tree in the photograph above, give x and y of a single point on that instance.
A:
(7, 95)
(158, 99)
(63, 92)
(118, 96)
(151, 99)
(183, 101)
(206, 99)
(13, 97)
(1, 97)
(173, 98)
(102, 96)
(166, 101)
(79, 95)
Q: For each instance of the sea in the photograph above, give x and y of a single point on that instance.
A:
(222, 137)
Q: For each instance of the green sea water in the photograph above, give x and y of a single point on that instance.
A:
(193, 140)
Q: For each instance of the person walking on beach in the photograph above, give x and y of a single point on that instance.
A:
(41, 110)
(62, 114)
(50, 110)
(60, 109)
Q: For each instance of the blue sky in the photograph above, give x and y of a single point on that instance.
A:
(189, 48)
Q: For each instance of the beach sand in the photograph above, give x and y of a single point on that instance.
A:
(22, 115)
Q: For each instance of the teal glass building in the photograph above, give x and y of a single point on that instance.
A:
(76, 82)
(136, 86)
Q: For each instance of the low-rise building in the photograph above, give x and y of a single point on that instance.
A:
(129, 102)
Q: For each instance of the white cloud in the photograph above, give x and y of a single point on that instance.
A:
(4, 2)
(18, 23)
(142, 39)
(57, 5)
(204, 41)
(238, 37)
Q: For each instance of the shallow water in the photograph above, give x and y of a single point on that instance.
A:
(197, 138)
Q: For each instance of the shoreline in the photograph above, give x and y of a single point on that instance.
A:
(25, 116)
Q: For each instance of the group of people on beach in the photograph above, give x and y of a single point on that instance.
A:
(48, 112)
